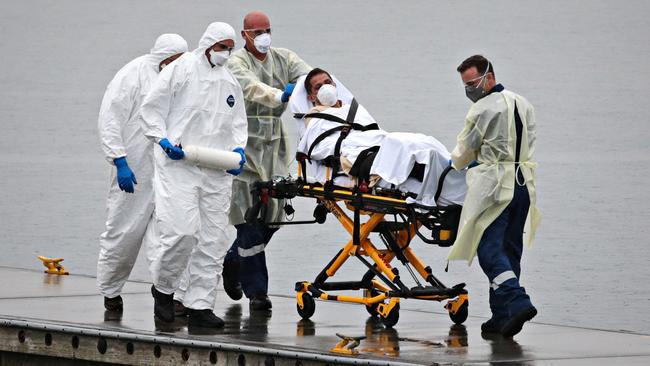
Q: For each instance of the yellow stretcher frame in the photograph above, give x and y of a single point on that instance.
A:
(379, 298)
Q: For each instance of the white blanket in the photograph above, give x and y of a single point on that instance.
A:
(398, 153)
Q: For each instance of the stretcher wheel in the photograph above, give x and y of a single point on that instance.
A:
(309, 306)
(461, 314)
(393, 316)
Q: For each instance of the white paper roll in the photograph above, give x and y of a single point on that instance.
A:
(212, 158)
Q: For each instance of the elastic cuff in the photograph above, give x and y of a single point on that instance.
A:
(121, 159)
(111, 160)
(278, 96)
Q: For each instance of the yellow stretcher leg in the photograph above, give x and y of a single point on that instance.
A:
(53, 265)
(381, 299)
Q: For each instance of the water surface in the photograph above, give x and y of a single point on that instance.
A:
(583, 64)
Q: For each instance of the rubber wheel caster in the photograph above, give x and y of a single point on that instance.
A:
(309, 306)
(393, 316)
(461, 314)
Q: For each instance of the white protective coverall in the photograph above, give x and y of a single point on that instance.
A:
(193, 103)
(268, 150)
(121, 136)
(489, 137)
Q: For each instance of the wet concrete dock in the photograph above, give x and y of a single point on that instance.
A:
(61, 320)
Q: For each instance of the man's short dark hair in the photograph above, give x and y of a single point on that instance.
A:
(481, 63)
(311, 74)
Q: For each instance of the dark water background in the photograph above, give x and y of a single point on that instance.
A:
(583, 64)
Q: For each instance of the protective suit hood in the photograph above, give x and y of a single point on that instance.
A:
(167, 45)
(217, 31)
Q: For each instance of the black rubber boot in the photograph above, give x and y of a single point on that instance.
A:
(114, 304)
(516, 322)
(492, 326)
(203, 318)
(231, 282)
(180, 310)
(260, 302)
(163, 306)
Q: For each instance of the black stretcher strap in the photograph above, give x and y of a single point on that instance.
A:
(325, 116)
(333, 118)
(356, 231)
(441, 181)
(361, 166)
(322, 137)
(301, 158)
(346, 125)
(349, 120)
(352, 112)
(337, 148)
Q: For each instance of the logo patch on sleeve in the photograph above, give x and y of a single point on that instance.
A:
(230, 100)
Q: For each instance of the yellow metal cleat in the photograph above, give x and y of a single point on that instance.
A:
(347, 345)
(53, 265)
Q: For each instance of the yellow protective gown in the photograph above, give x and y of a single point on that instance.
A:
(489, 137)
(267, 151)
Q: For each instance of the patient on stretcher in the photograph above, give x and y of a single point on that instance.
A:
(341, 141)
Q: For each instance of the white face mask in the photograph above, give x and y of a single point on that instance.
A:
(327, 95)
(219, 58)
(262, 42)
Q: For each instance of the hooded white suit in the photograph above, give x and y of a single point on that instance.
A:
(119, 130)
(193, 103)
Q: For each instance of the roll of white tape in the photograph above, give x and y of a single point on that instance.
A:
(212, 158)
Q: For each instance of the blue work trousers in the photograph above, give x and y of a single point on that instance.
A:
(499, 254)
(248, 250)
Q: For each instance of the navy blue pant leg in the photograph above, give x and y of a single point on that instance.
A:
(248, 250)
(514, 243)
(499, 255)
(514, 240)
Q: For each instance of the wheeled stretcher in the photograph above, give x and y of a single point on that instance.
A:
(388, 215)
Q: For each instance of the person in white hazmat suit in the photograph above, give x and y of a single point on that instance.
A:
(195, 101)
(267, 76)
(122, 140)
(500, 136)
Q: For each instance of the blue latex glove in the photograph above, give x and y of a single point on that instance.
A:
(287, 92)
(174, 152)
(241, 162)
(125, 176)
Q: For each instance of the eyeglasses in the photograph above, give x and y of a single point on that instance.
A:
(475, 81)
(222, 47)
(258, 31)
